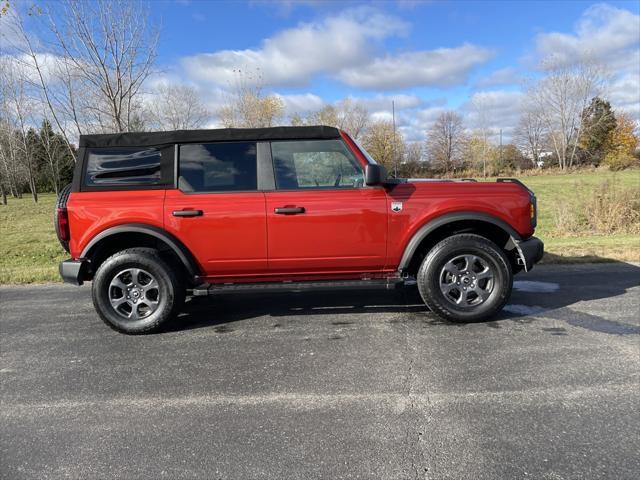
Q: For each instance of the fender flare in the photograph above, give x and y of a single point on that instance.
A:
(168, 239)
(445, 219)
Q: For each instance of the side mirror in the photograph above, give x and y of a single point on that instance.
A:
(375, 174)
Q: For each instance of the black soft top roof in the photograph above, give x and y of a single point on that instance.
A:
(150, 139)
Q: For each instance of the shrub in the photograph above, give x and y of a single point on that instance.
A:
(617, 160)
(607, 209)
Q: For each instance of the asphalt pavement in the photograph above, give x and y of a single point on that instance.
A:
(328, 385)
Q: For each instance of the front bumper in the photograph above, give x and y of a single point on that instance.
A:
(530, 252)
(74, 271)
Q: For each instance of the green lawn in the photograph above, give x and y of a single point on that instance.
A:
(29, 249)
(30, 252)
(551, 189)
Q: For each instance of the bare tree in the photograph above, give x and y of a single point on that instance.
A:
(383, 144)
(561, 97)
(10, 159)
(413, 164)
(479, 105)
(176, 107)
(327, 115)
(55, 154)
(413, 152)
(17, 112)
(91, 73)
(478, 152)
(353, 117)
(445, 141)
(248, 106)
(530, 133)
(347, 114)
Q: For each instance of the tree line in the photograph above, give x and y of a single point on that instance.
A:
(95, 77)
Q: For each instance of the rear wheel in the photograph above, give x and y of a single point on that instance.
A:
(135, 291)
(465, 278)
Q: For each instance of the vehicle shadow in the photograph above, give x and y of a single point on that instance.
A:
(547, 291)
(222, 309)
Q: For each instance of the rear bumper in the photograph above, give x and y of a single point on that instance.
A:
(74, 271)
(530, 252)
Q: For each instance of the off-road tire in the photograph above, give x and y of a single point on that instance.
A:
(171, 293)
(429, 277)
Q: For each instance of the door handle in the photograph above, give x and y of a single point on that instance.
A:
(289, 210)
(187, 213)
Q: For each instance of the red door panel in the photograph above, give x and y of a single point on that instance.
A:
(229, 238)
(340, 230)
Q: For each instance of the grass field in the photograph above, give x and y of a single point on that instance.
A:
(562, 248)
(30, 252)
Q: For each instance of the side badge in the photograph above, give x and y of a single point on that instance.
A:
(396, 207)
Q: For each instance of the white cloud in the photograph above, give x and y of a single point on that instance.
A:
(343, 46)
(494, 110)
(383, 102)
(502, 76)
(442, 67)
(625, 93)
(601, 33)
(414, 124)
(11, 37)
(609, 36)
(301, 103)
(292, 57)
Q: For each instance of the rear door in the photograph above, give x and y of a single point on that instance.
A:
(217, 210)
(321, 218)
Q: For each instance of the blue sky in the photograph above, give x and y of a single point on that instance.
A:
(427, 56)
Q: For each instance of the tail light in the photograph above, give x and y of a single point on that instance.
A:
(62, 227)
(533, 211)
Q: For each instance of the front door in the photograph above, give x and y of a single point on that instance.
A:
(322, 219)
(217, 211)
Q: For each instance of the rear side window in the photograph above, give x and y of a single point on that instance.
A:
(218, 167)
(114, 167)
(315, 164)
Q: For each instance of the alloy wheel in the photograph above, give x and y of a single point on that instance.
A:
(467, 280)
(134, 293)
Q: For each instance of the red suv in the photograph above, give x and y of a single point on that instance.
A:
(154, 217)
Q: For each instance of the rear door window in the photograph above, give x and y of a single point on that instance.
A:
(121, 167)
(218, 167)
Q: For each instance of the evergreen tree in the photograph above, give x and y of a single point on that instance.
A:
(598, 121)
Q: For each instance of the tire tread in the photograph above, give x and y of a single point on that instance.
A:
(477, 241)
(151, 255)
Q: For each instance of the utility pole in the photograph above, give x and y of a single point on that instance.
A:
(393, 143)
(500, 148)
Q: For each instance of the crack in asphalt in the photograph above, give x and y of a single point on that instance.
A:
(413, 433)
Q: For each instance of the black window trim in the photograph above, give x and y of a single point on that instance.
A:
(315, 189)
(170, 159)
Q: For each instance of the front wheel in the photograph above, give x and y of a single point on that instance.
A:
(135, 291)
(465, 278)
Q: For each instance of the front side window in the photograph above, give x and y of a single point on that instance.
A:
(218, 167)
(315, 164)
(113, 167)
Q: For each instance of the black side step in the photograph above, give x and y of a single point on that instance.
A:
(270, 287)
